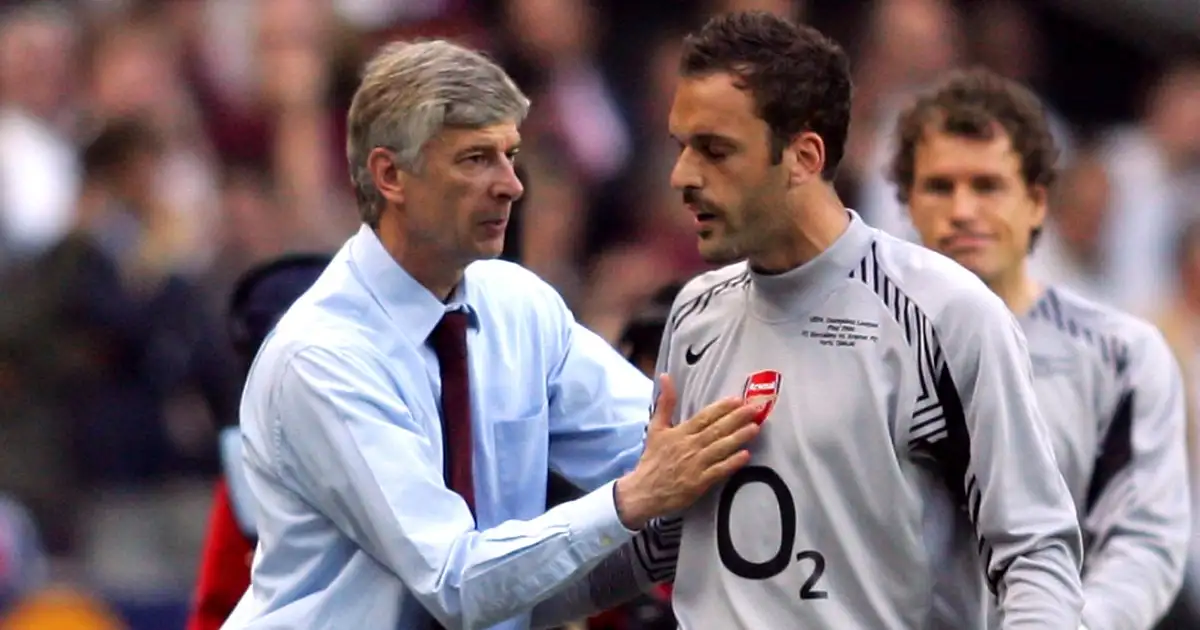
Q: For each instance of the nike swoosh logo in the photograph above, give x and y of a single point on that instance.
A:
(691, 357)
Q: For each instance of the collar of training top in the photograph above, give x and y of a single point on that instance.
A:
(411, 306)
(779, 297)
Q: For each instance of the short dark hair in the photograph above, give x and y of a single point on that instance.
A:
(799, 78)
(969, 104)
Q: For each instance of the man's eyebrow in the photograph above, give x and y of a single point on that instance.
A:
(706, 138)
(488, 147)
(703, 136)
(477, 148)
(710, 137)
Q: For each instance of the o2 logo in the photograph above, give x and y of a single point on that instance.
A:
(783, 558)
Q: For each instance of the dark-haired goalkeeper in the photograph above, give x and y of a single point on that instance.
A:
(893, 388)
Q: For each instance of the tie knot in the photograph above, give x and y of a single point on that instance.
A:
(449, 337)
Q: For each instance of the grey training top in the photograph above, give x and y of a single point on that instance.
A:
(1113, 401)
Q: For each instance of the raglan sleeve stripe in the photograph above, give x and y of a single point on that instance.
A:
(1138, 519)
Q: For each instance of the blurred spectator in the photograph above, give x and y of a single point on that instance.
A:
(1071, 250)
(134, 71)
(295, 45)
(551, 48)
(123, 352)
(23, 565)
(38, 171)
(1007, 39)
(552, 221)
(1154, 167)
(1180, 324)
(891, 67)
(661, 247)
(1180, 320)
(151, 335)
(265, 76)
(248, 231)
(555, 40)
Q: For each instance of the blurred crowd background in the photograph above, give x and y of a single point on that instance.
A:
(152, 151)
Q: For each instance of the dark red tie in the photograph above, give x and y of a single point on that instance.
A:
(449, 340)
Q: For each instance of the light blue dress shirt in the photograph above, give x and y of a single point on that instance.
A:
(342, 449)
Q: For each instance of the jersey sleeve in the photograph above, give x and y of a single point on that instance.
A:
(1138, 517)
(998, 460)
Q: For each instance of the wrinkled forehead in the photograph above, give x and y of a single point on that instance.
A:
(713, 104)
(500, 137)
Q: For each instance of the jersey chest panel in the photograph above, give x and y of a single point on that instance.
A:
(1069, 388)
(829, 509)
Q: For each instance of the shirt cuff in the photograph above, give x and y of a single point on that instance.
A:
(594, 524)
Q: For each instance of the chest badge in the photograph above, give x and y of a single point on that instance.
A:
(761, 391)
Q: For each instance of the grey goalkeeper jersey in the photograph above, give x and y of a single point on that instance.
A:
(893, 384)
(1113, 400)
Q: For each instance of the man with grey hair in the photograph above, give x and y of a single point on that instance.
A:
(399, 422)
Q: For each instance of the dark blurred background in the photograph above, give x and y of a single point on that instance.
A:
(152, 151)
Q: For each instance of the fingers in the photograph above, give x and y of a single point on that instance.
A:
(726, 446)
(711, 414)
(741, 416)
(723, 469)
(664, 405)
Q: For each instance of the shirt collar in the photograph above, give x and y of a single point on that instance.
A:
(409, 304)
(785, 295)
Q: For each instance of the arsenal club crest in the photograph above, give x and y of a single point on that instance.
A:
(761, 390)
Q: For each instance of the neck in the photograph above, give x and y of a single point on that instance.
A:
(427, 268)
(813, 224)
(1017, 288)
